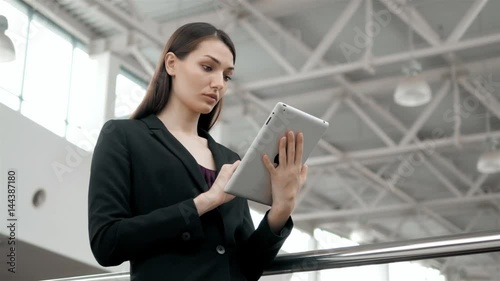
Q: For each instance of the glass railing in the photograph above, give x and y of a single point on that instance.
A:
(390, 252)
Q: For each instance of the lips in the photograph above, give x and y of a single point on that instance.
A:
(213, 96)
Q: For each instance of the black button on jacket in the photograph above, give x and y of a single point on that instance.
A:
(141, 209)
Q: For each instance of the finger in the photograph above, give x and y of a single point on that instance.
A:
(225, 172)
(303, 172)
(290, 148)
(224, 168)
(282, 151)
(267, 163)
(234, 166)
(299, 148)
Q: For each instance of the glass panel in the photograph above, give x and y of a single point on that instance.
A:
(83, 82)
(47, 80)
(129, 95)
(82, 101)
(12, 72)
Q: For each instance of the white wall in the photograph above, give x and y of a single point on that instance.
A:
(44, 160)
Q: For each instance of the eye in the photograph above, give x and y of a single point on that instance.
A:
(207, 67)
(227, 78)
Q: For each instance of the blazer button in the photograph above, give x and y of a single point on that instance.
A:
(186, 236)
(220, 249)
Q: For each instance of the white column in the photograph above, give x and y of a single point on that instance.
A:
(95, 103)
(107, 70)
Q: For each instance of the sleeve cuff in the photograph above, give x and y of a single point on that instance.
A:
(270, 237)
(192, 229)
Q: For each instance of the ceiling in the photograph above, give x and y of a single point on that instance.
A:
(391, 172)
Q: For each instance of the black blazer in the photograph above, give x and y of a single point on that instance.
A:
(141, 209)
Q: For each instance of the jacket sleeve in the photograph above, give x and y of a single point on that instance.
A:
(115, 234)
(261, 246)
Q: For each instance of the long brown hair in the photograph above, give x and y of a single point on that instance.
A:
(182, 42)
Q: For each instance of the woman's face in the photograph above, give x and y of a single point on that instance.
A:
(200, 80)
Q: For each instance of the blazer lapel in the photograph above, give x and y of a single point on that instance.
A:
(219, 157)
(161, 133)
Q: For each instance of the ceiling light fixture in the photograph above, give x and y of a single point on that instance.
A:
(7, 51)
(489, 161)
(412, 90)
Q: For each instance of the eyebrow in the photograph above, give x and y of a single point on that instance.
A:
(217, 61)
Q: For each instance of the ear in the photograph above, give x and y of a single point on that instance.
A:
(170, 62)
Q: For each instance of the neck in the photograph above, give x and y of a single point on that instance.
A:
(179, 119)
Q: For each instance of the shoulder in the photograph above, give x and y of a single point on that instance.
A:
(120, 129)
(121, 126)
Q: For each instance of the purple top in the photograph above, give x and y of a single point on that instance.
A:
(208, 174)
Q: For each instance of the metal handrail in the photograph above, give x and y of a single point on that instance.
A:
(409, 250)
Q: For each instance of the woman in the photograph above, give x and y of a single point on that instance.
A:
(156, 194)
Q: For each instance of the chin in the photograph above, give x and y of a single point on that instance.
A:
(205, 109)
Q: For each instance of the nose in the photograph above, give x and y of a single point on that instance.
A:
(217, 81)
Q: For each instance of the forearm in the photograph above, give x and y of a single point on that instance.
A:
(205, 203)
(278, 216)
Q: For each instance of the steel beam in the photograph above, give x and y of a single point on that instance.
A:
(148, 67)
(377, 61)
(369, 121)
(444, 180)
(391, 210)
(56, 13)
(149, 29)
(369, 44)
(267, 46)
(483, 95)
(426, 113)
(412, 18)
(477, 184)
(428, 147)
(452, 168)
(331, 35)
(467, 20)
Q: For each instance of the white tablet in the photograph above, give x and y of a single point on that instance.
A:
(251, 179)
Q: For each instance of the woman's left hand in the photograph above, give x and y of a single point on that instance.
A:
(287, 178)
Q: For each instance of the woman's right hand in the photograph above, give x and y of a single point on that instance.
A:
(216, 196)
